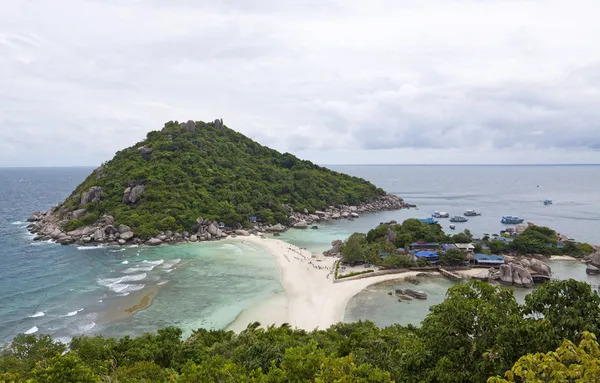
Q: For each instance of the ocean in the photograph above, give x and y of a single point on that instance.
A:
(67, 290)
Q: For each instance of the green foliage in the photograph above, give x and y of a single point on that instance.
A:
(568, 364)
(399, 261)
(478, 331)
(461, 238)
(215, 173)
(352, 250)
(478, 248)
(452, 257)
(497, 246)
(355, 274)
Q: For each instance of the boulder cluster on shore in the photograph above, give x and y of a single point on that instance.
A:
(49, 225)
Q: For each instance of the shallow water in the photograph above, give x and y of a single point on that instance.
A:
(82, 290)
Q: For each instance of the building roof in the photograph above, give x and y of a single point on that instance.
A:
(424, 244)
(465, 246)
(426, 254)
(448, 246)
(489, 258)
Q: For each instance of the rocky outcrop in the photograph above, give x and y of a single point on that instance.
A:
(189, 126)
(153, 242)
(539, 267)
(218, 123)
(92, 194)
(335, 249)
(126, 236)
(301, 225)
(515, 274)
(145, 152)
(592, 270)
(136, 193)
(242, 233)
(595, 260)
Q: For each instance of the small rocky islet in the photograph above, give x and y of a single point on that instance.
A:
(198, 181)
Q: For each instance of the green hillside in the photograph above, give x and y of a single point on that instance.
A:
(203, 169)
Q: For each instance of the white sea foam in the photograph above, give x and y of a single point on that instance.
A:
(101, 300)
(32, 330)
(125, 262)
(73, 313)
(87, 327)
(127, 278)
(37, 315)
(143, 269)
(154, 263)
(162, 283)
(169, 264)
(116, 251)
(18, 223)
(132, 246)
(90, 247)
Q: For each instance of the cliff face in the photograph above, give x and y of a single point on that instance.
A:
(189, 180)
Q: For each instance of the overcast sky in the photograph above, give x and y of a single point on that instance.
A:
(333, 81)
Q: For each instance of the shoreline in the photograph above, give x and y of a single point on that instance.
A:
(311, 300)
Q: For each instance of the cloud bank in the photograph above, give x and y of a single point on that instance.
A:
(334, 81)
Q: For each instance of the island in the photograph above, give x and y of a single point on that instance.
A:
(198, 181)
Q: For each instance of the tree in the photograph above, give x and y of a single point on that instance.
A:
(478, 248)
(452, 257)
(352, 251)
(565, 309)
(569, 363)
(461, 238)
(497, 246)
(473, 334)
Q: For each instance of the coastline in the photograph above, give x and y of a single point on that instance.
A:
(311, 299)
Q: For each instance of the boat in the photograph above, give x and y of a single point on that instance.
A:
(440, 214)
(511, 219)
(547, 202)
(458, 218)
(471, 213)
(452, 227)
(429, 221)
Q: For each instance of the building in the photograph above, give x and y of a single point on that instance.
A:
(449, 246)
(424, 246)
(429, 256)
(489, 260)
(467, 248)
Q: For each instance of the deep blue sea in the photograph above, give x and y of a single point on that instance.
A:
(69, 290)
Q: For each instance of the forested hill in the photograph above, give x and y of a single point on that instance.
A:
(189, 170)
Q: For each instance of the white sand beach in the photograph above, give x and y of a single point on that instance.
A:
(311, 299)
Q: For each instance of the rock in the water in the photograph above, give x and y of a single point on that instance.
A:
(315, 227)
(301, 225)
(242, 232)
(321, 214)
(595, 261)
(354, 215)
(93, 194)
(540, 267)
(126, 236)
(65, 240)
(336, 216)
(122, 241)
(153, 242)
(193, 238)
(521, 277)
(86, 239)
(591, 269)
(278, 228)
(98, 235)
(506, 275)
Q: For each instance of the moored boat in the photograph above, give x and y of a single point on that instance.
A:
(452, 227)
(511, 220)
(471, 213)
(458, 218)
(440, 214)
(429, 221)
(547, 202)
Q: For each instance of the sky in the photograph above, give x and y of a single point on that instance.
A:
(332, 81)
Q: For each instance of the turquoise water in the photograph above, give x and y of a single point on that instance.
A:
(66, 291)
